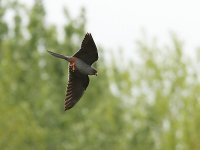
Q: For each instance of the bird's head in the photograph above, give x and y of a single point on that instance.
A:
(94, 72)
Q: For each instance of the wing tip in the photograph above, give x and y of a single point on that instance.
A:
(67, 107)
(68, 103)
(88, 34)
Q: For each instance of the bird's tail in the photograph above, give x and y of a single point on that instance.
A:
(59, 55)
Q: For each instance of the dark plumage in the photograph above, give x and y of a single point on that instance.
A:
(79, 69)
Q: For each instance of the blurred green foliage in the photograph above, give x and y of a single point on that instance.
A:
(151, 104)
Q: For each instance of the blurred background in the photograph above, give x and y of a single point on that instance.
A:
(147, 93)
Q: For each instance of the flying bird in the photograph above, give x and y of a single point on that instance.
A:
(79, 69)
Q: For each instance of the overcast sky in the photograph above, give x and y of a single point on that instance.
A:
(119, 23)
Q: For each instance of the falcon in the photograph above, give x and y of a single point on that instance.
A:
(79, 69)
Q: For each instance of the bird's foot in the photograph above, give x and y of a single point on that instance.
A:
(72, 65)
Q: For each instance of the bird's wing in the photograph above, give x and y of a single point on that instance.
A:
(77, 84)
(88, 52)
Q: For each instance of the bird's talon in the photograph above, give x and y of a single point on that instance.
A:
(72, 66)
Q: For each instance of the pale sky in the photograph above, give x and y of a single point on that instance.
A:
(119, 23)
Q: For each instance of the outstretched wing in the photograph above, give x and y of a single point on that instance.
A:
(77, 84)
(88, 52)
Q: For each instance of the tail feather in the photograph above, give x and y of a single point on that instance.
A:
(59, 55)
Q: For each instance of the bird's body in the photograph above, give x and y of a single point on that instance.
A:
(79, 69)
(84, 68)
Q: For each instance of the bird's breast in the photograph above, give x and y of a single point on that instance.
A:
(83, 67)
